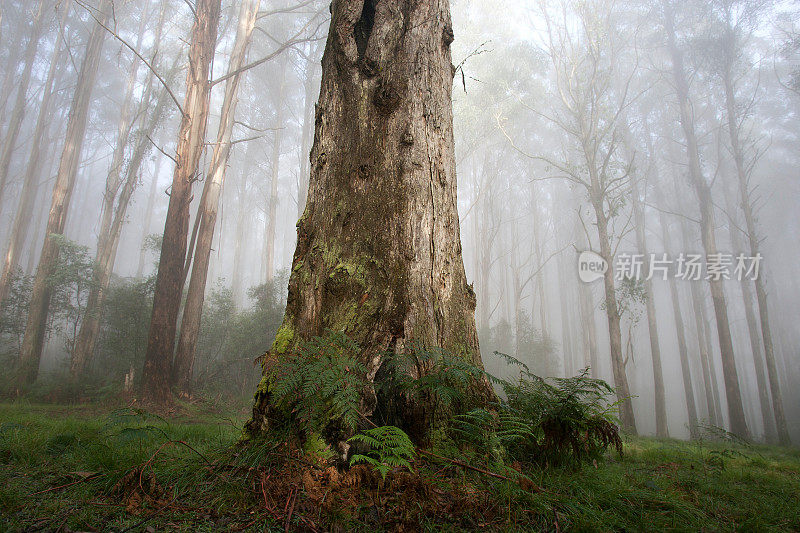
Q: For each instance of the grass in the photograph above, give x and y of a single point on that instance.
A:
(98, 469)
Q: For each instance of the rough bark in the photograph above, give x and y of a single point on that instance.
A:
(171, 275)
(378, 254)
(24, 214)
(33, 342)
(702, 190)
(209, 204)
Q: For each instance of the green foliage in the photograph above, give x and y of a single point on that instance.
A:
(70, 283)
(14, 315)
(230, 338)
(124, 328)
(388, 447)
(321, 385)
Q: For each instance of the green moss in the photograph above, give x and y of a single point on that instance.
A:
(316, 447)
(283, 339)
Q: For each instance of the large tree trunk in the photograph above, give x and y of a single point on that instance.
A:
(33, 342)
(652, 323)
(18, 114)
(378, 254)
(738, 424)
(171, 273)
(209, 205)
(24, 214)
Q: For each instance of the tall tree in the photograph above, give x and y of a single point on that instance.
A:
(209, 203)
(30, 181)
(191, 140)
(378, 254)
(18, 114)
(702, 191)
(736, 21)
(33, 342)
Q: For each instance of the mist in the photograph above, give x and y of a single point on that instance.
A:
(627, 135)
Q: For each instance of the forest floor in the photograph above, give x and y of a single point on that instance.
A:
(90, 468)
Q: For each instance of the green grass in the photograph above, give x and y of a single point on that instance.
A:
(91, 468)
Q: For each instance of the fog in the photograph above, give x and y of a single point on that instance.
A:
(641, 132)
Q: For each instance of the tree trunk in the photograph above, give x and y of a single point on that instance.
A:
(171, 274)
(683, 353)
(242, 208)
(734, 122)
(209, 205)
(738, 424)
(33, 171)
(272, 217)
(626, 416)
(117, 198)
(378, 253)
(18, 114)
(652, 323)
(62, 191)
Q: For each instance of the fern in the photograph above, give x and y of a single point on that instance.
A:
(389, 447)
(320, 385)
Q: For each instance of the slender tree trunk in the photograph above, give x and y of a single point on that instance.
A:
(754, 241)
(652, 323)
(626, 416)
(272, 219)
(62, 191)
(33, 171)
(18, 114)
(702, 190)
(565, 307)
(242, 209)
(754, 336)
(378, 253)
(147, 223)
(703, 343)
(209, 205)
(307, 136)
(116, 202)
(683, 352)
(171, 265)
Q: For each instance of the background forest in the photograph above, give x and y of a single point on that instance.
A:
(621, 127)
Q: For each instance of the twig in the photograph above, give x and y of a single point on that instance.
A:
(69, 484)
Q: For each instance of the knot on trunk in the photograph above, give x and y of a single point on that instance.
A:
(386, 97)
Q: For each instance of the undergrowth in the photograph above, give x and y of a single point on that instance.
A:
(91, 470)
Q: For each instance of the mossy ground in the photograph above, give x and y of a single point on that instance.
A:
(93, 468)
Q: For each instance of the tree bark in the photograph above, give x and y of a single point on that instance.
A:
(209, 204)
(738, 424)
(18, 114)
(378, 253)
(171, 274)
(33, 342)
